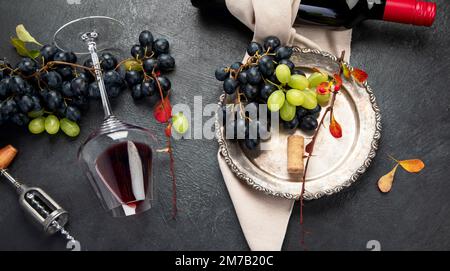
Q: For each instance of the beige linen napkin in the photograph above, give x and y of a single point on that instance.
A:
(263, 218)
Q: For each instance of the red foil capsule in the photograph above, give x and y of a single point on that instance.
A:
(410, 12)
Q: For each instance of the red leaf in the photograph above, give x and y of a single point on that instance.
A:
(310, 147)
(359, 75)
(337, 82)
(323, 88)
(335, 128)
(163, 110)
(168, 130)
(346, 71)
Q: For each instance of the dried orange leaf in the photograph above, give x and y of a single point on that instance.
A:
(335, 128)
(412, 165)
(385, 182)
(346, 71)
(359, 75)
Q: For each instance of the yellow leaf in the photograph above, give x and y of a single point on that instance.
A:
(412, 165)
(385, 182)
(132, 65)
(24, 35)
(346, 71)
(20, 47)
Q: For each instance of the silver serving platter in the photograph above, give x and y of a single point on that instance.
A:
(336, 163)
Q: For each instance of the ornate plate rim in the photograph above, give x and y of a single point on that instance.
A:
(223, 149)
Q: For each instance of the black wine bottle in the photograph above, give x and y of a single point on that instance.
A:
(348, 13)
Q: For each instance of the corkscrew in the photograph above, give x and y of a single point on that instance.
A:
(40, 207)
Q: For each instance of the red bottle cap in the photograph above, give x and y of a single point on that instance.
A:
(410, 12)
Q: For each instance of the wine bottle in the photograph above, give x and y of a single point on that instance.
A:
(348, 13)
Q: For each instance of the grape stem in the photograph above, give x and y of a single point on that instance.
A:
(251, 61)
(280, 87)
(310, 146)
(169, 150)
(50, 63)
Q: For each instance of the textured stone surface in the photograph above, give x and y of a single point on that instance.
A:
(408, 69)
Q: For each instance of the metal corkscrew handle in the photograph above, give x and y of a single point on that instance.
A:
(42, 209)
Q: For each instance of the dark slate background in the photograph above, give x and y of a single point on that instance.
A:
(409, 70)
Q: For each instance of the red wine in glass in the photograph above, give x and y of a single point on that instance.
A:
(126, 169)
(117, 157)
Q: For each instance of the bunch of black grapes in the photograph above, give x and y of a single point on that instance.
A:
(35, 87)
(154, 59)
(53, 84)
(255, 80)
(244, 124)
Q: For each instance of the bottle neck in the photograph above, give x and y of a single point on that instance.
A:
(410, 12)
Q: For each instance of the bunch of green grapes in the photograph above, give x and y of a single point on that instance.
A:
(296, 98)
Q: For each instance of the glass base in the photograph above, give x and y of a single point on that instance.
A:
(69, 36)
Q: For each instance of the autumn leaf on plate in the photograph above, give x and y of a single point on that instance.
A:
(163, 110)
(335, 127)
(412, 165)
(385, 182)
(346, 71)
(359, 75)
(309, 147)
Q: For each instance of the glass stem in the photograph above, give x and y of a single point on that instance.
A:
(98, 74)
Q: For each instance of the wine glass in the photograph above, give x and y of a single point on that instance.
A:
(117, 157)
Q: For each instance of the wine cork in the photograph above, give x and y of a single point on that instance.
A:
(7, 155)
(296, 145)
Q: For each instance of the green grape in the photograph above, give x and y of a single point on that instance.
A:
(299, 82)
(37, 125)
(180, 123)
(287, 112)
(36, 114)
(52, 124)
(316, 78)
(310, 101)
(323, 99)
(311, 91)
(283, 73)
(276, 100)
(295, 97)
(69, 127)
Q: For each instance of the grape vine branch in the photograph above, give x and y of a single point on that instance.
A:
(310, 147)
